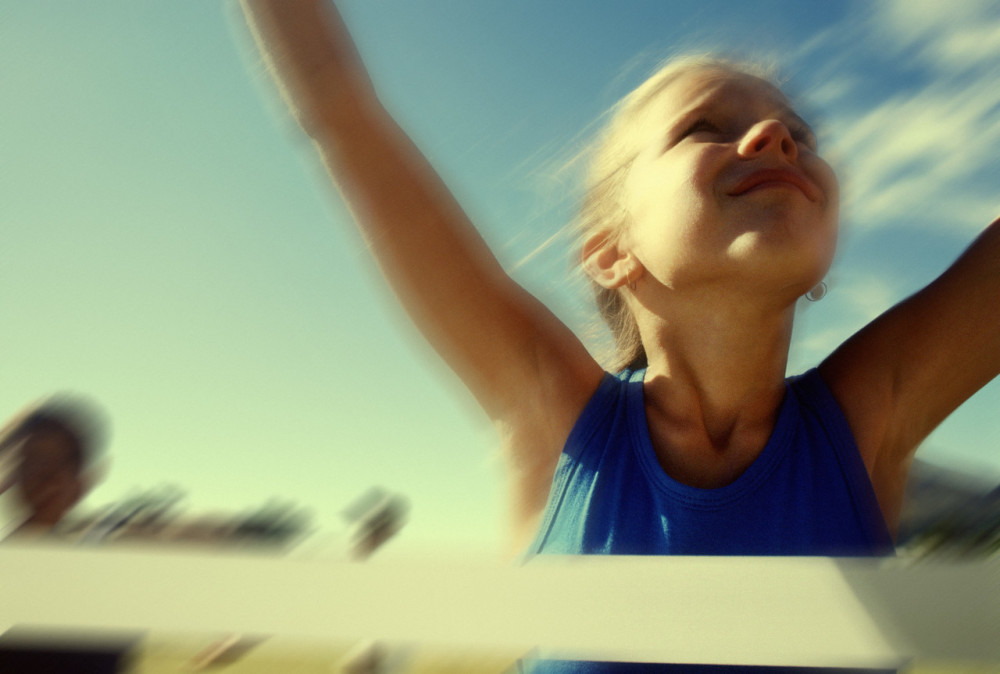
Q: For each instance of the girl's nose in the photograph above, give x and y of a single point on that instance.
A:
(769, 135)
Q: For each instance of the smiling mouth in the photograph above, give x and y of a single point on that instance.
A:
(772, 178)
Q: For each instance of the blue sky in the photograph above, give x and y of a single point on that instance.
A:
(170, 246)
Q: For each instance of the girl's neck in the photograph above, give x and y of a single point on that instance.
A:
(717, 373)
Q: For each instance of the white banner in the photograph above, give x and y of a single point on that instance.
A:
(721, 610)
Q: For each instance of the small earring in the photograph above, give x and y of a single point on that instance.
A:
(817, 293)
(628, 279)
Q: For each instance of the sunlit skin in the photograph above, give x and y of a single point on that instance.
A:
(706, 135)
(732, 216)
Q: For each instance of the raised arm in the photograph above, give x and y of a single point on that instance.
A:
(529, 372)
(900, 376)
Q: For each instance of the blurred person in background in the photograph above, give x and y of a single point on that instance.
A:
(49, 454)
(48, 462)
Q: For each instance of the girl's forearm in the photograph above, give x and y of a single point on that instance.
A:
(311, 57)
(487, 328)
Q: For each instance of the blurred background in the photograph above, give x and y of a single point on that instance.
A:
(171, 248)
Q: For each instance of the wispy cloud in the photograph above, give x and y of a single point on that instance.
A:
(945, 36)
(921, 156)
(926, 154)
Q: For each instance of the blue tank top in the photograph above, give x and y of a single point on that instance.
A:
(808, 493)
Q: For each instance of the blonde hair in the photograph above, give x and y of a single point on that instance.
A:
(610, 158)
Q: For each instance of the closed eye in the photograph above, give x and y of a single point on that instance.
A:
(803, 134)
(701, 124)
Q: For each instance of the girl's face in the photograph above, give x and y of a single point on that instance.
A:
(727, 186)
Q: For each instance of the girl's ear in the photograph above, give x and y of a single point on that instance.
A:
(607, 263)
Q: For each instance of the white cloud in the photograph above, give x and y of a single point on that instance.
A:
(920, 155)
(974, 44)
(912, 90)
(943, 34)
(915, 18)
(832, 90)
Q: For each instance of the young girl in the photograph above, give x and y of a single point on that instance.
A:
(709, 214)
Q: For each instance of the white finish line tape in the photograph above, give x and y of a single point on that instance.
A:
(721, 610)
